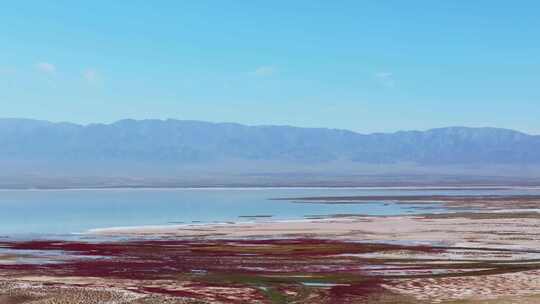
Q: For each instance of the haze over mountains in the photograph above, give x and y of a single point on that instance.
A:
(194, 153)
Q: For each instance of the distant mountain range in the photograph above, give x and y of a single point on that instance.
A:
(169, 152)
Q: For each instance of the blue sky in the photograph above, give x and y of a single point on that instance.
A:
(368, 66)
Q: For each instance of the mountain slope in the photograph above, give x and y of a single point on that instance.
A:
(172, 148)
(192, 141)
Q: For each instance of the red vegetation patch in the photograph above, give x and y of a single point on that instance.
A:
(216, 263)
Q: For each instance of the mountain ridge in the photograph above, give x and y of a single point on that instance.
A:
(152, 150)
(130, 120)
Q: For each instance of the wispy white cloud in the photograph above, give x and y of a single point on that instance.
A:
(90, 75)
(46, 67)
(386, 79)
(266, 70)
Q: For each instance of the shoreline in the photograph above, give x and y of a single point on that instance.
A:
(405, 188)
(477, 205)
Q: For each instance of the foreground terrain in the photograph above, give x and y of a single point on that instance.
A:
(462, 256)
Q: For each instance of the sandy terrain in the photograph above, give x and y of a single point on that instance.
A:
(453, 231)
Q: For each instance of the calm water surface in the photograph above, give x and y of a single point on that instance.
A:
(72, 211)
